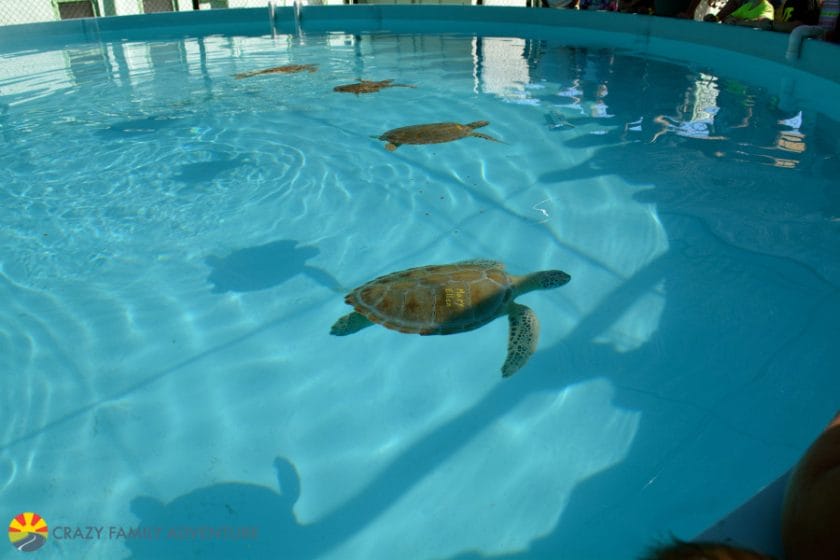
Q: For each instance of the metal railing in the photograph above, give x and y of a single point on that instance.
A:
(33, 11)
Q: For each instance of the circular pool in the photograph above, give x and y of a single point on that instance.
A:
(185, 200)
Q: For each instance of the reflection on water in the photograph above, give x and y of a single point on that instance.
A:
(645, 98)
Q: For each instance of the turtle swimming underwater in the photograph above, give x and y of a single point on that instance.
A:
(367, 86)
(449, 299)
(434, 133)
(287, 69)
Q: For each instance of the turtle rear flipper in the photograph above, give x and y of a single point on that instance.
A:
(522, 339)
(486, 137)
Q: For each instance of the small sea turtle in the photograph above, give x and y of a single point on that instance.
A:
(367, 86)
(433, 133)
(287, 69)
(449, 299)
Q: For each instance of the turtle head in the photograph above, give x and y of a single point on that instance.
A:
(478, 124)
(548, 279)
(543, 280)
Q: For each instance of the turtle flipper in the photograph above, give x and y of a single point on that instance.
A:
(486, 137)
(522, 341)
(350, 323)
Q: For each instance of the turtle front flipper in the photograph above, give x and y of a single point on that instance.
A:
(350, 323)
(522, 340)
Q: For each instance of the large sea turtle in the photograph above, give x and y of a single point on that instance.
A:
(449, 299)
(367, 86)
(434, 133)
(285, 69)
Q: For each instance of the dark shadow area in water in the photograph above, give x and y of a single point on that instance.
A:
(5, 122)
(266, 266)
(688, 328)
(753, 308)
(202, 172)
(141, 126)
(247, 520)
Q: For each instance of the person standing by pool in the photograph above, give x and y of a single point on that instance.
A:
(748, 13)
(827, 22)
(671, 8)
(830, 20)
(645, 7)
(723, 11)
(567, 4)
(793, 13)
(699, 9)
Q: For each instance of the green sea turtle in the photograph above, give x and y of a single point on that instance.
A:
(433, 133)
(449, 299)
(286, 69)
(367, 86)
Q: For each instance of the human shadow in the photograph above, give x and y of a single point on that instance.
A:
(266, 266)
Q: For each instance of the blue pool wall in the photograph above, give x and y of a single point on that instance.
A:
(167, 25)
(684, 39)
(640, 33)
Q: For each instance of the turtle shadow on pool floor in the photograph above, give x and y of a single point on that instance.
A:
(265, 266)
(226, 520)
(202, 172)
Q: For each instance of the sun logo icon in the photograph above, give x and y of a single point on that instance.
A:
(28, 531)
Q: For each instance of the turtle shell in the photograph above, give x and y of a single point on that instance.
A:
(436, 299)
(434, 133)
(363, 86)
(286, 69)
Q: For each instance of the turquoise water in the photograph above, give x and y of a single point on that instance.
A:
(176, 244)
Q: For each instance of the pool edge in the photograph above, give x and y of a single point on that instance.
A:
(643, 33)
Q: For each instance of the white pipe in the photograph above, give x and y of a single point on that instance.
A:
(271, 19)
(297, 8)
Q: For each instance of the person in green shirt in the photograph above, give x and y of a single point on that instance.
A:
(748, 13)
(751, 12)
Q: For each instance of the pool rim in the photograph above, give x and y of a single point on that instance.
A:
(647, 34)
